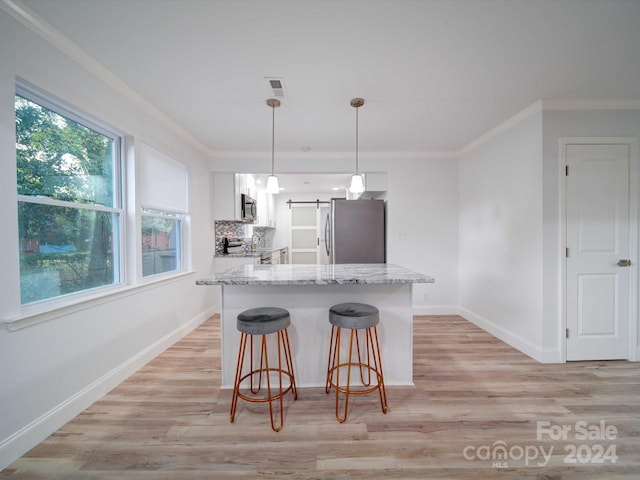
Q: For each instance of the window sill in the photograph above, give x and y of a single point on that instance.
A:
(34, 315)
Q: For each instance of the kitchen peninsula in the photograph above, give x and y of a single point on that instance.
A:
(308, 291)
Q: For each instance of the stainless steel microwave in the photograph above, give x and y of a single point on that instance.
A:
(248, 208)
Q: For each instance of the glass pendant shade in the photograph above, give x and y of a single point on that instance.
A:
(356, 185)
(272, 185)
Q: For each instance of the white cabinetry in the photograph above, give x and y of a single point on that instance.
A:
(375, 185)
(246, 183)
(220, 264)
(226, 190)
(223, 196)
(266, 214)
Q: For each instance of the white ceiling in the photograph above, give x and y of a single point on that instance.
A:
(435, 75)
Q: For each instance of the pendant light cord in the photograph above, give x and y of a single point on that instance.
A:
(357, 103)
(273, 103)
(357, 108)
(273, 136)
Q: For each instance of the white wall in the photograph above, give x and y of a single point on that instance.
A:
(422, 227)
(500, 235)
(422, 213)
(51, 371)
(510, 223)
(558, 124)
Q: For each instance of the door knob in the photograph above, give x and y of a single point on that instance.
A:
(624, 263)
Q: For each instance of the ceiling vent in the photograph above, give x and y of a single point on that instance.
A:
(276, 86)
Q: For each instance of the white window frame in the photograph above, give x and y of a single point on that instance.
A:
(119, 270)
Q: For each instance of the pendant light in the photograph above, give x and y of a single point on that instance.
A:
(356, 186)
(272, 181)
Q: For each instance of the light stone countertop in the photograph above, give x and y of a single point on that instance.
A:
(338, 274)
(249, 253)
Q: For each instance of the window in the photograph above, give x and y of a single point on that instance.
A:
(164, 211)
(69, 201)
(161, 242)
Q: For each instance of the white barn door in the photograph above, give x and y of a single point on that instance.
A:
(304, 243)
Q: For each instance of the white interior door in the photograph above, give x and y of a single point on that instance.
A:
(598, 251)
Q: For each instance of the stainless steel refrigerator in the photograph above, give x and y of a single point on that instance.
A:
(355, 231)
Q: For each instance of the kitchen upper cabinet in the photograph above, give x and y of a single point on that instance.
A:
(225, 206)
(375, 185)
(376, 182)
(266, 210)
(226, 191)
(246, 183)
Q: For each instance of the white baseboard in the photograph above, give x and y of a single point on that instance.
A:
(512, 339)
(16, 445)
(436, 310)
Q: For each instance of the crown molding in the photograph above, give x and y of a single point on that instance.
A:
(619, 104)
(501, 128)
(58, 40)
(548, 105)
(250, 155)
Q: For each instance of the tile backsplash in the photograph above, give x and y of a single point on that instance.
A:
(230, 228)
(260, 237)
(263, 237)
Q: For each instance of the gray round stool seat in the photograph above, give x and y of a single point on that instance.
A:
(263, 320)
(354, 315)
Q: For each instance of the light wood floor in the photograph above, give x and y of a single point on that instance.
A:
(472, 395)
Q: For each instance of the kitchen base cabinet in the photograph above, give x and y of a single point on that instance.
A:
(307, 292)
(220, 264)
(284, 255)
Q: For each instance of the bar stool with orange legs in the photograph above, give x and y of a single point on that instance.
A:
(355, 317)
(264, 321)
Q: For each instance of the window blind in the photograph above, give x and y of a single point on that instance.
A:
(163, 181)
